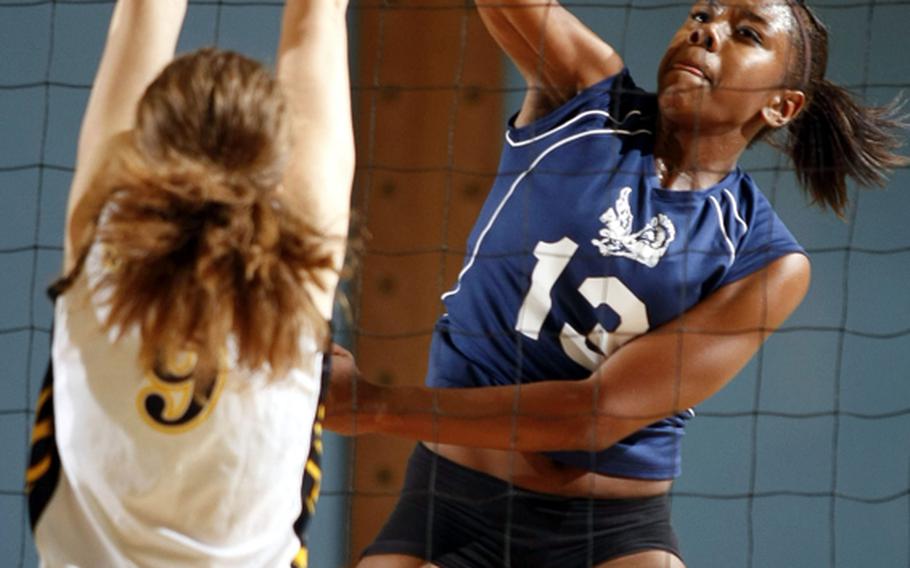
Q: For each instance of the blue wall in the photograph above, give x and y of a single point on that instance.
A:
(804, 460)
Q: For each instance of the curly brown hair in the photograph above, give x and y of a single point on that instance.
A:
(206, 245)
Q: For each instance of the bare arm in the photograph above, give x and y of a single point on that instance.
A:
(557, 55)
(141, 41)
(313, 71)
(673, 367)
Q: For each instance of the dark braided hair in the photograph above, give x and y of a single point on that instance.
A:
(835, 137)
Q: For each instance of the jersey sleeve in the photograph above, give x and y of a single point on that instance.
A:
(763, 237)
(613, 98)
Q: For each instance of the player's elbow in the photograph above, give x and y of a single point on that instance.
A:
(787, 283)
(799, 272)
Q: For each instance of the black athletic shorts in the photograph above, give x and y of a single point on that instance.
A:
(457, 517)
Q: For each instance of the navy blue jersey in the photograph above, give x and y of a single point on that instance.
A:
(578, 249)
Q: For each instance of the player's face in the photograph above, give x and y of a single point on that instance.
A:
(726, 62)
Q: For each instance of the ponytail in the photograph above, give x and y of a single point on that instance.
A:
(198, 257)
(201, 247)
(835, 137)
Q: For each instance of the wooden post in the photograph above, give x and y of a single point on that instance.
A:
(429, 128)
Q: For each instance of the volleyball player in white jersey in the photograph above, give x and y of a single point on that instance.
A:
(205, 231)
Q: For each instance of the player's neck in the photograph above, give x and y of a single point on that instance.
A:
(687, 160)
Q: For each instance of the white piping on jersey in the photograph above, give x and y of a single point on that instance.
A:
(517, 181)
(723, 228)
(565, 124)
(732, 201)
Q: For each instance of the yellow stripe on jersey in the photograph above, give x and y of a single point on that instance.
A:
(36, 471)
(315, 473)
(42, 398)
(314, 470)
(300, 561)
(317, 429)
(42, 430)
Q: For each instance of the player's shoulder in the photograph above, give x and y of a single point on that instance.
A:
(749, 198)
(615, 103)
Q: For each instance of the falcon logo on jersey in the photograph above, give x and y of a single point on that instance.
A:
(646, 246)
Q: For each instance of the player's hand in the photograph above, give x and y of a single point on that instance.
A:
(350, 396)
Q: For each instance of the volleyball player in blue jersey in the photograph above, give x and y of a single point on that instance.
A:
(179, 421)
(622, 270)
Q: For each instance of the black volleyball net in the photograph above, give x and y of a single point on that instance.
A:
(803, 460)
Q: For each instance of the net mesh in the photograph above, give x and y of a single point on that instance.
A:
(802, 460)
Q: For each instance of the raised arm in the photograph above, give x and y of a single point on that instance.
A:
(140, 42)
(313, 70)
(557, 55)
(671, 368)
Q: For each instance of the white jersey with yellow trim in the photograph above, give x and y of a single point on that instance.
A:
(150, 477)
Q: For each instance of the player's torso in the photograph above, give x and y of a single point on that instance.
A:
(578, 250)
(153, 476)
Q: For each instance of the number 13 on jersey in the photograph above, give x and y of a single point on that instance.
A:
(591, 348)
